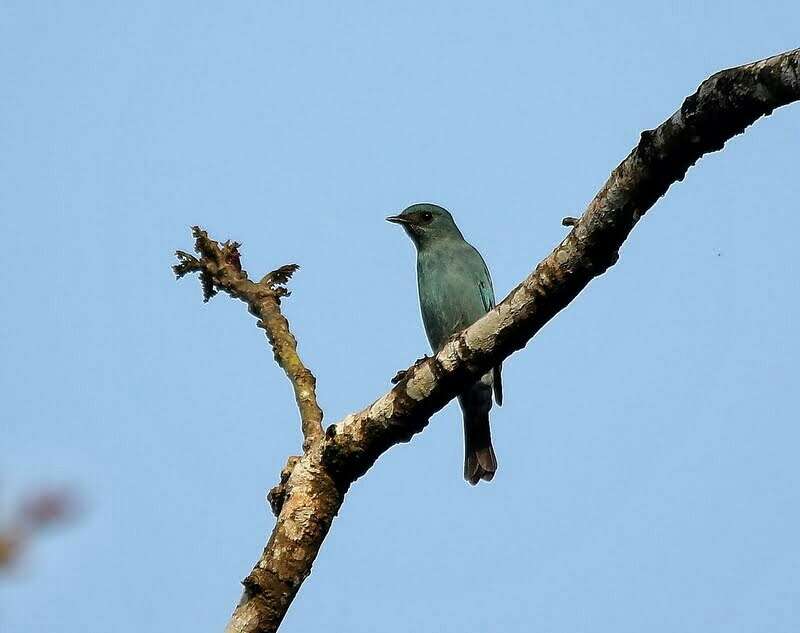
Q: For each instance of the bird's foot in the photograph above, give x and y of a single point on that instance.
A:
(400, 375)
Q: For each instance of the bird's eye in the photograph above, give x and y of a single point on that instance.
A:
(426, 216)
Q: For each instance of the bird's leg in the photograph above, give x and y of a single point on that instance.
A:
(400, 375)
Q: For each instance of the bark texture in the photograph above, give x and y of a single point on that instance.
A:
(313, 485)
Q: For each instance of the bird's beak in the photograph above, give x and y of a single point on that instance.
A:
(398, 219)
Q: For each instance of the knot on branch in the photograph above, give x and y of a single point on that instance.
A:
(277, 495)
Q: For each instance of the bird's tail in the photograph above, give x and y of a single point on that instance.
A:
(479, 458)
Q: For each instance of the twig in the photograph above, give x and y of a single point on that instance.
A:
(220, 269)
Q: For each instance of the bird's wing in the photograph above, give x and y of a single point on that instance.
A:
(485, 284)
(487, 296)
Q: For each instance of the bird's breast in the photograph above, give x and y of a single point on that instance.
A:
(449, 295)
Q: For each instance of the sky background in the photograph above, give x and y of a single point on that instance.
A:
(648, 446)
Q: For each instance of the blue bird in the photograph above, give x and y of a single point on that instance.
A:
(455, 290)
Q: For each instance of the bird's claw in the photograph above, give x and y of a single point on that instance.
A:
(401, 375)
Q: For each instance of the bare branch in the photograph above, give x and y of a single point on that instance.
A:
(313, 487)
(312, 500)
(220, 268)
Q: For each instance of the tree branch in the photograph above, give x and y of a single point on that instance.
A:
(315, 484)
(220, 268)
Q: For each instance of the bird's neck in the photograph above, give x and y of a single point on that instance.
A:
(438, 243)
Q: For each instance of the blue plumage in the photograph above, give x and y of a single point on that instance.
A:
(455, 290)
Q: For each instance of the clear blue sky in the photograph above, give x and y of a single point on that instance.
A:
(648, 446)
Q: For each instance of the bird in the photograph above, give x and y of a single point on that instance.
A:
(455, 290)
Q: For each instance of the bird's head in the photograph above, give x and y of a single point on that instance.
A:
(425, 223)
